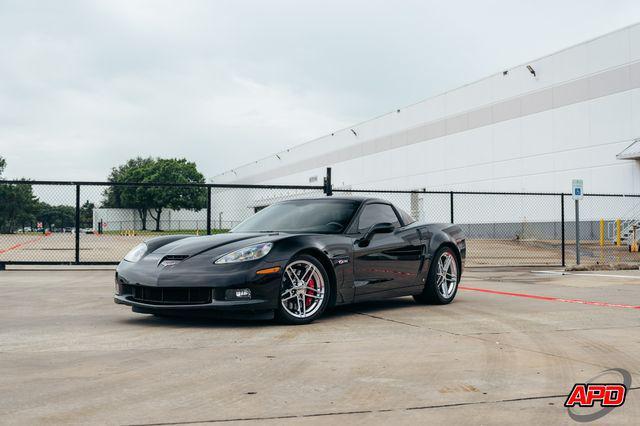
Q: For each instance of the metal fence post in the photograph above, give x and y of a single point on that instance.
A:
(77, 223)
(328, 187)
(451, 204)
(577, 203)
(562, 229)
(209, 210)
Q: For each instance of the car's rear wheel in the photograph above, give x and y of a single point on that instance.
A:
(304, 292)
(442, 279)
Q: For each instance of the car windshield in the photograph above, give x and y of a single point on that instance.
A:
(317, 216)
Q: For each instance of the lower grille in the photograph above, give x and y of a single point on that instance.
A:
(169, 295)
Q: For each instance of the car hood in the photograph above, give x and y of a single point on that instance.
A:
(195, 255)
(192, 246)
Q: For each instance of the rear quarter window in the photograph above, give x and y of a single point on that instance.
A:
(406, 217)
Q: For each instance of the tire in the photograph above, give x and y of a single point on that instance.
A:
(303, 303)
(434, 292)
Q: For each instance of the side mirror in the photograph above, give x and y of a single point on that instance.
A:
(378, 228)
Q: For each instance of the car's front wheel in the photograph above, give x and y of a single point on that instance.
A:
(304, 292)
(442, 279)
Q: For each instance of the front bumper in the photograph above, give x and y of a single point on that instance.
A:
(197, 289)
(252, 308)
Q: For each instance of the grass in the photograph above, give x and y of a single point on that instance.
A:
(604, 267)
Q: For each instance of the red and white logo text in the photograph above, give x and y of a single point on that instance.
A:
(588, 394)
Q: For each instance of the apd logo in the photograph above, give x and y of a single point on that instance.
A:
(607, 396)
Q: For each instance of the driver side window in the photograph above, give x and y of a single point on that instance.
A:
(377, 213)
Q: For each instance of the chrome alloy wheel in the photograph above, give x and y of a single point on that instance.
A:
(303, 289)
(447, 274)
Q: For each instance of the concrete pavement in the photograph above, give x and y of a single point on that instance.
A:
(68, 354)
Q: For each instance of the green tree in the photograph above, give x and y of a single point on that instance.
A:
(86, 214)
(18, 205)
(55, 217)
(152, 200)
(129, 197)
(176, 198)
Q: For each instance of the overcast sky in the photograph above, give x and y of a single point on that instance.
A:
(86, 85)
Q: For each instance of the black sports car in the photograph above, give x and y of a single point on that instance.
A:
(294, 259)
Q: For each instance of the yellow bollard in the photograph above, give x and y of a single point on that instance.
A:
(601, 232)
(634, 241)
(618, 232)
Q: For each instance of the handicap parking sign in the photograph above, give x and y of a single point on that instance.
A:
(577, 189)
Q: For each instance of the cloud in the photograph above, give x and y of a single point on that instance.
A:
(86, 85)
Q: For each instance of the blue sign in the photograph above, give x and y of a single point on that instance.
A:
(577, 189)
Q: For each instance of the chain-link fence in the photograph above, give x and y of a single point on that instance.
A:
(97, 222)
(527, 229)
(606, 225)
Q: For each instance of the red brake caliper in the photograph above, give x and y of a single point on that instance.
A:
(308, 300)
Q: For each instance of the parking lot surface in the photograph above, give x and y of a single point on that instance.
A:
(60, 247)
(508, 350)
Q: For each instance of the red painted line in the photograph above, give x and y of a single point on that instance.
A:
(16, 246)
(552, 299)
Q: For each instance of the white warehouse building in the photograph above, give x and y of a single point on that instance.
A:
(574, 114)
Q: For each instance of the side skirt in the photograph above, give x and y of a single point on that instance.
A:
(386, 294)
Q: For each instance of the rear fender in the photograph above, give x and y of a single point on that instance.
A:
(442, 238)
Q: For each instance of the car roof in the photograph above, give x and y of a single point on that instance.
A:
(340, 198)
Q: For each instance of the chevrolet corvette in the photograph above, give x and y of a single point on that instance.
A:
(293, 260)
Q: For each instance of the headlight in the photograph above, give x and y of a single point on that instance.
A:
(246, 253)
(136, 253)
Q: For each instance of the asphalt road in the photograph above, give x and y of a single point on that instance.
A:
(68, 354)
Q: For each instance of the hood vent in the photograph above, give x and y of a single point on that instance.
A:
(172, 260)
